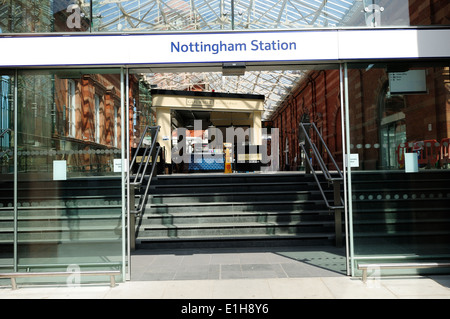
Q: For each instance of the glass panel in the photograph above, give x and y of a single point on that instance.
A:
(18, 16)
(6, 172)
(69, 188)
(399, 140)
(24, 16)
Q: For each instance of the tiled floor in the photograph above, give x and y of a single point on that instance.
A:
(237, 263)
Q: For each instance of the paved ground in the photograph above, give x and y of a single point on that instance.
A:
(246, 274)
(232, 263)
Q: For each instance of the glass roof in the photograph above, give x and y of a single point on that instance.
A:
(171, 15)
(207, 15)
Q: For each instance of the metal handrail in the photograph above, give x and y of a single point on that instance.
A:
(14, 275)
(147, 148)
(335, 181)
(330, 179)
(151, 152)
(143, 198)
(4, 131)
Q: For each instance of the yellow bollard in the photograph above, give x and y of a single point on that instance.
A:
(227, 147)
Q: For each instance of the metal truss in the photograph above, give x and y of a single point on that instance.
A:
(171, 15)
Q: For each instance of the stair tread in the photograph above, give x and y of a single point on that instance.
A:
(61, 217)
(239, 193)
(237, 225)
(62, 207)
(25, 229)
(232, 184)
(237, 213)
(233, 203)
(237, 237)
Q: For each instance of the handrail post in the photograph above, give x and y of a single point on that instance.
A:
(132, 222)
(337, 213)
(307, 157)
(304, 139)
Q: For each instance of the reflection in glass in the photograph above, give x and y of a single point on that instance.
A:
(43, 16)
(399, 128)
(20, 16)
(69, 191)
(6, 172)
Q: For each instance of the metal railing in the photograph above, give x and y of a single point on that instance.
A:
(148, 162)
(14, 275)
(335, 182)
(377, 267)
(8, 152)
(4, 131)
(142, 180)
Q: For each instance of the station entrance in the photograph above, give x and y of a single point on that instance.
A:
(67, 136)
(198, 211)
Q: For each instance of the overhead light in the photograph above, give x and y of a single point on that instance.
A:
(233, 68)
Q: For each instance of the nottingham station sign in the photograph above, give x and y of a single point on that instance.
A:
(315, 46)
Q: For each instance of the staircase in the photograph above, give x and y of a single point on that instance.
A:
(226, 210)
(76, 211)
(392, 209)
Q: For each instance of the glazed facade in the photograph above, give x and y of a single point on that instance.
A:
(65, 122)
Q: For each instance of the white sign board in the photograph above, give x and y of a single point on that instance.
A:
(59, 170)
(411, 163)
(353, 160)
(117, 165)
(217, 47)
(409, 82)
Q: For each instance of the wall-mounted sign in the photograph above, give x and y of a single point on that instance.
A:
(411, 163)
(353, 160)
(199, 102)
(59, 170)
(220, 47)
(409, 82)
(117, 165)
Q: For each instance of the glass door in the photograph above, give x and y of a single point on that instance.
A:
(7, 207)
(397, 131)
(70, 199)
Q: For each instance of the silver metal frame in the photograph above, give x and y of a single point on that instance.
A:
(15, 171)
(345, 115)
(15, 275)
(344, 167)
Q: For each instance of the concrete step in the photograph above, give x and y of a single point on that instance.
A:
(230, 241)
(222, 209)
(242, 217)
(205, 197)
(235, 206)
(234, 228)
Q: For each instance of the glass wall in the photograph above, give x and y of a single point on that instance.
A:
(399, 122)
(67, 214)
(22, 16)
(6, 171)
